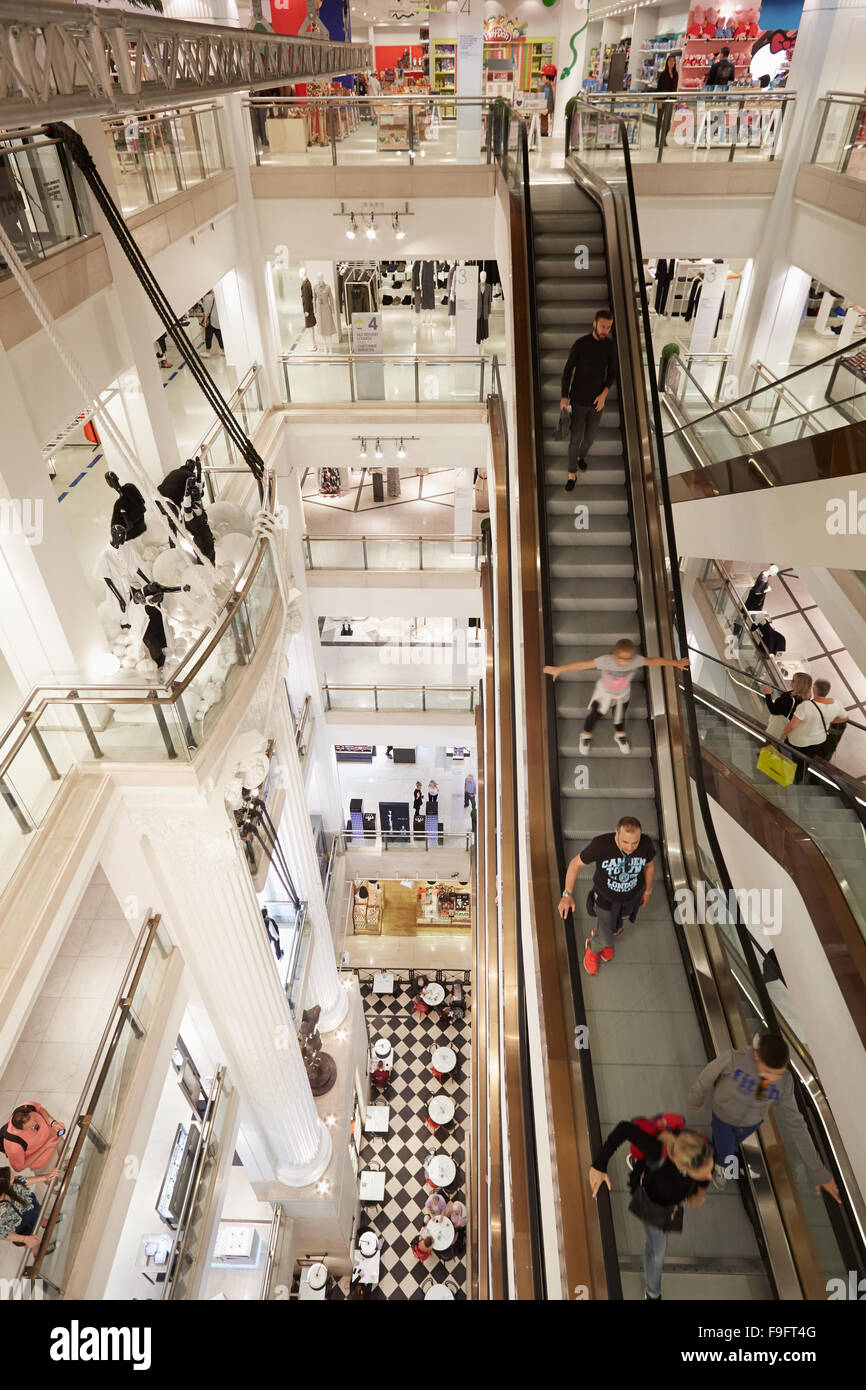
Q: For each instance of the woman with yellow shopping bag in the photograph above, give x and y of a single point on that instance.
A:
(805, 731)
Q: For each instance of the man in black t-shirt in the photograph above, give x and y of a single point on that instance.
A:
(587, 377)
(623, 880)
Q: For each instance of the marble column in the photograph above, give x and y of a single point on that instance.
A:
(213, 914)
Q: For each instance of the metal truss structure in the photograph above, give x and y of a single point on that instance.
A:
(59, 60)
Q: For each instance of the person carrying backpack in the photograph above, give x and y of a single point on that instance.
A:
(722, 71)
(675, 1170)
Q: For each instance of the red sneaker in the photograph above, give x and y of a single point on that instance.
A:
(607, 953)
(590, 960)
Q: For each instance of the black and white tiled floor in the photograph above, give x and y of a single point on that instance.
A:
(402, 1152)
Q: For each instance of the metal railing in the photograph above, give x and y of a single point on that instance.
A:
(429, 699)
(90, 1134)
(316, 130)
(393, 552)
(187, 1246)
(59, 726)
(156, 154)
(43, 198)
(726, 125)
(217, 452)
(840, 142)
(380, 840)
(427, 378)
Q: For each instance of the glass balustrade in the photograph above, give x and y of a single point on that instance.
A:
(683, 127)
(399, 697)
(457, 553)
(43, 198)
(156, 155)
(840, 144)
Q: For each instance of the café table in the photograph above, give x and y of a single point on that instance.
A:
(442, 1231)
(433, 994)
(377, 1119)
(372, 1186)
(441, 1110)
(441, 1170)
(444, 1060)
(439, 1291)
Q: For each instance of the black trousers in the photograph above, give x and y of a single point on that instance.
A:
(802, 768)
(210, 333)
(585, 420)
(594, 714)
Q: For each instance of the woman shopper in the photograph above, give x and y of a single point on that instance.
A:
(19, 1209)
(675, 1171)
(806, 731)
(668, 81)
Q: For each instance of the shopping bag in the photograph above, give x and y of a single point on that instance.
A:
(776, 766)
(562, 428)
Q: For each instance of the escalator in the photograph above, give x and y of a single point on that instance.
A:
(674, 995)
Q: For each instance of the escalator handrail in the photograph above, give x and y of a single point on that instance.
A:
(851, 723)
(521, 187)
(690, 728)
(743, 401)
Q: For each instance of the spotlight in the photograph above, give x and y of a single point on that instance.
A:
(378, 449)
(371, 230)
(353, 227)
(398, 230)
(401, 452)
(363, 448)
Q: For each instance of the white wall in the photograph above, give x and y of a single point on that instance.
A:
(437, 446)
(439, 227)
(728, 227)
(830, 248)
(830, 1033)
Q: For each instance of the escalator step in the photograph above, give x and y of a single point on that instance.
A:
(576, 315)
(593, 562)
(591, 595)
(559, 290)
(599, 628)
(583, 819)
(562, 265)
(603, 499)
(569, 731)
(608, 773)
(602, 531)
(572, 701)
(563, 244)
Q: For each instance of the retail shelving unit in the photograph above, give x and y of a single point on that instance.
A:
(443, 76)
(699, 54)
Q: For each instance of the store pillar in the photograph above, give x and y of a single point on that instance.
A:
(570, 58)
(470, 78)
(212, 912)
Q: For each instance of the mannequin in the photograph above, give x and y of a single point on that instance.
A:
(754, 600)
(484, 296)
(182, 490)
(307, 305)
(120, 566)
(416, 286)
(427, 280)
(452, 297)
(150, 596)
(326, 316)
(129, 509)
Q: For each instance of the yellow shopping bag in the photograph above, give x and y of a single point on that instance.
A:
(775, 765)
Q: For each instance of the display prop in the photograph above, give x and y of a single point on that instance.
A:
(709, 305)
(501, 29)
(367, 339)
(321, 1067)
(465, 327)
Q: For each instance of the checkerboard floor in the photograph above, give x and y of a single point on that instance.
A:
(402, 1151)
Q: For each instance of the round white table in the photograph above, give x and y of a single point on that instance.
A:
(439, 1291)
(317, 1276)
(442, 1231)
(444, 1060)
(382, 1047)
(367, 1243)
(441, 1170)
(433, 994)
(441, 1110)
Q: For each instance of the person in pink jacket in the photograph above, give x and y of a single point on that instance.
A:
(30, 1137)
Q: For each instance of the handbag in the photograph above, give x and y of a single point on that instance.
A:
(776, 766)
(562, 428)
(667, 1219)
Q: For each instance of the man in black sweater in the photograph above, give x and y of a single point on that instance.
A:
(588, 376)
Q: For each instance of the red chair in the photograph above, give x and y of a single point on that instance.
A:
(431, 1125)
(437, 1074)
(420, 1008)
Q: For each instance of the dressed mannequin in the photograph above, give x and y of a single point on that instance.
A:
(452, 298)
(754, 600)
(307, 305)
(485, 293)
(326, 316)
(428, 291)
(129, 509)
(150, 596)
(416, 286)
(119, 565)
(182, 490)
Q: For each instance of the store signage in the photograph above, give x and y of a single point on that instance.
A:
(367, 338)
(707, 316)
(500, 29)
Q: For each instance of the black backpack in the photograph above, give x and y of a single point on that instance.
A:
(724, 72)
(5, 1135)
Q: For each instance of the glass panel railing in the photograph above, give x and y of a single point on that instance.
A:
(193, 1225)
(737, 125)
(393, 552)
(422, 130)
(156, 155)
(840, 144)
(425, 378)
(394, 697)
(43, 201)
(83, 1156)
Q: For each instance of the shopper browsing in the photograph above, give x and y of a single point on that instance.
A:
(722, 71)
(589, 373)
(622, 883)
(742, 1086)
(668, 81)
(612, 691)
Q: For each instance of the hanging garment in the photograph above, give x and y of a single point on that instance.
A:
(664, 276)
(773, 640)
(491, 270)
(121, 564)
(128, 511)
(416, 287)
(694, 299)
(485, 293)
(325, 314)
(329, 482)
(428, 285)
(307, 304)
(452, 292)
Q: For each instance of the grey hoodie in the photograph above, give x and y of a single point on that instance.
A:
(732, 1082)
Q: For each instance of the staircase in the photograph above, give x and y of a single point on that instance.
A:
(645, 1042)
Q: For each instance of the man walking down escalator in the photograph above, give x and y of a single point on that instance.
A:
(588, 376)
(623, 880)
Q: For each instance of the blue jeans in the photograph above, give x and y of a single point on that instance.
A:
(653, 1259)
(728, 1138)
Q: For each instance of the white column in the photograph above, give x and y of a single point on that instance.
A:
(251, 264)
(470, 79)
(148, 415)
(324, 986)
(216, 920)
(571, 41)
(49, 628)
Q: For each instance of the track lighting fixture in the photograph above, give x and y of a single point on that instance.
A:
(378, 449)
(401, 452)
(363, 448)
(352, 231)
(371, 230)
(395, 224)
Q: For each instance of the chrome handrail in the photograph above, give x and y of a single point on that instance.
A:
(431, 358)
(162, 113)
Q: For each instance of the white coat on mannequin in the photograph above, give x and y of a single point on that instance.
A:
(326, 316)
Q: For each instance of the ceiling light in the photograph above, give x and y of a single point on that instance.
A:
(371, 230)
(401, 452)
(363, 448)
(378, 449)
(330, 1121)
(353, 227)
(398, 230)
(323, 1187)
(341, 1035)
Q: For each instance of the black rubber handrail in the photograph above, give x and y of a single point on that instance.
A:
(852, 723)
